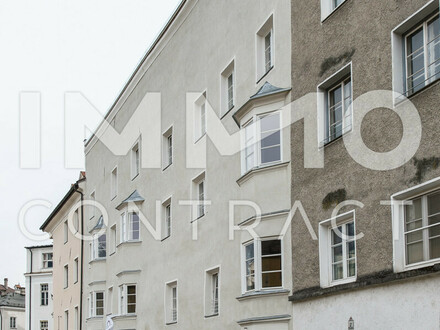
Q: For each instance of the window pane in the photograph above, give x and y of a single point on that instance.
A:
(351, 250)
(131, 299)
(350, 230)
(338, 271)
(434, 248)
(351, 266)
(250, 251)
(434, 203)
(335, 236)
(270, 139)
(250, 267)
(337, 253)
(414, 253)
(272, 280)
(131, 309)
(269, 155)
(270, 247)
(271, 263)
(434, 49)
(414, 211)
(414, 237)
(250, 282)
(434, 231)
(416, 58)
(131, 289)
(270, 122)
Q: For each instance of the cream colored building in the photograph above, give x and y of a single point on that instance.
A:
(67, 258)
(237, 55)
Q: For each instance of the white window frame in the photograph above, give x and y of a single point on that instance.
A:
(135, 160)
(66, 319)
(212, 303)
(255, 123)
(47, 260)
(95, 247)
(167, 148)
(325, 250)
(225, 89)
(258, 268)
(44, 294)
(44, 325)
(200, 116)
(167, 219)
(195, 193)
(171, 302)
(261, 60)
(13, 322)
(66, 276)
(323, 90)
(113, 239)
(328, 7)
(66, 231)
(114, 183)
(93, 306)
(127, 233)
(76, 321)
(93, 199)
(398, 46)
(123, 298)
(398, 201)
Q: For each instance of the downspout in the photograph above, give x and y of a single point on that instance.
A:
(82, 257)
(30, 293)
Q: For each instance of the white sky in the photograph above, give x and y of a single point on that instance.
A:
(54, 47)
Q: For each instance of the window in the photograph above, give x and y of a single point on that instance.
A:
(76, 221)
(130, 230)
(44, 325)
(99, 247)
(335, 100)
(92, 208)
(75, 270)
(66, 231)
(201, 195)
(228, 88)
(328, 6)
(422, 229)
(168, 148)
(337, 250)
(135, 161)
(171, 302)
(76, 325)
(66, 320)
(44, 294)
(66, 276)
(47, 260)
(265, 48)
(166, 218)
(113, 239)
(110, 301)
(127, 299)
(114, 183)
(267, 149)
(96, 304)
(12, 322)
(212, 292)
(423, 55)
(200, 108)
(262, 265)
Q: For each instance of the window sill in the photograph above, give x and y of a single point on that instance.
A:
(249, 174)
(167, 167)
(112, 254)
(124, 317)
(198, 218)
(226, 113)
(341, 282)
(93, 318)
(199, 138)
(413, 95)
(134, 177)
(265, 74)
(171, 323)
(419, 265)
(129, 243)
(97, 260)
(262, 293)
(113, 198)
(164, 239)
(211, 316)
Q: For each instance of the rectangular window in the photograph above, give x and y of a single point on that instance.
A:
(201, 196)
(92, 208)
(167, 148)
(228, 88)
(262, 265)
(75, 270)
(135, 161)
(113, 239)
(66, 231)
(422, 229)
(47, 260)
(66, 276)
(231, 91)
(76, 325)
(170, 149)
(171, 302)
(76, 221)
(12, 322)
(423, 55)
(203, 119)
(96, 304)
(337, 250)
(110, 301)
(339, 110)
(44, 294)
(100, 247)
(268, 148)
(127, 299)
(66, 320)
(44, 325)
(212, 292)
(130, 230)
(265, 48)
(114, 183)
(167, 220)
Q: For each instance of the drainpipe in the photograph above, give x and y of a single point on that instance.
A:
(82, 257)
(30, 293)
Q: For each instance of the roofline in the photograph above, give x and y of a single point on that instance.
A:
(38, 246)
(69, 194)
(138, 67)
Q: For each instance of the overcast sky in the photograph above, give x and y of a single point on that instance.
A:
(53, 47)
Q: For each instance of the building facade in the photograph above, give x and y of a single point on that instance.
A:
(64, 226)
(203, 270)
(388, 277)
(39, 297)
(12, 307)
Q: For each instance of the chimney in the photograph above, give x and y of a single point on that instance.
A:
(6, 283)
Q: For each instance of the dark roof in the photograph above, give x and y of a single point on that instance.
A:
(134, 197)
(38, 246)
(13, 300)
(69, 194)
(268, 89)
(99, 225)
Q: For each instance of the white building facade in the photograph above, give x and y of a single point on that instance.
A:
(39, 301)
